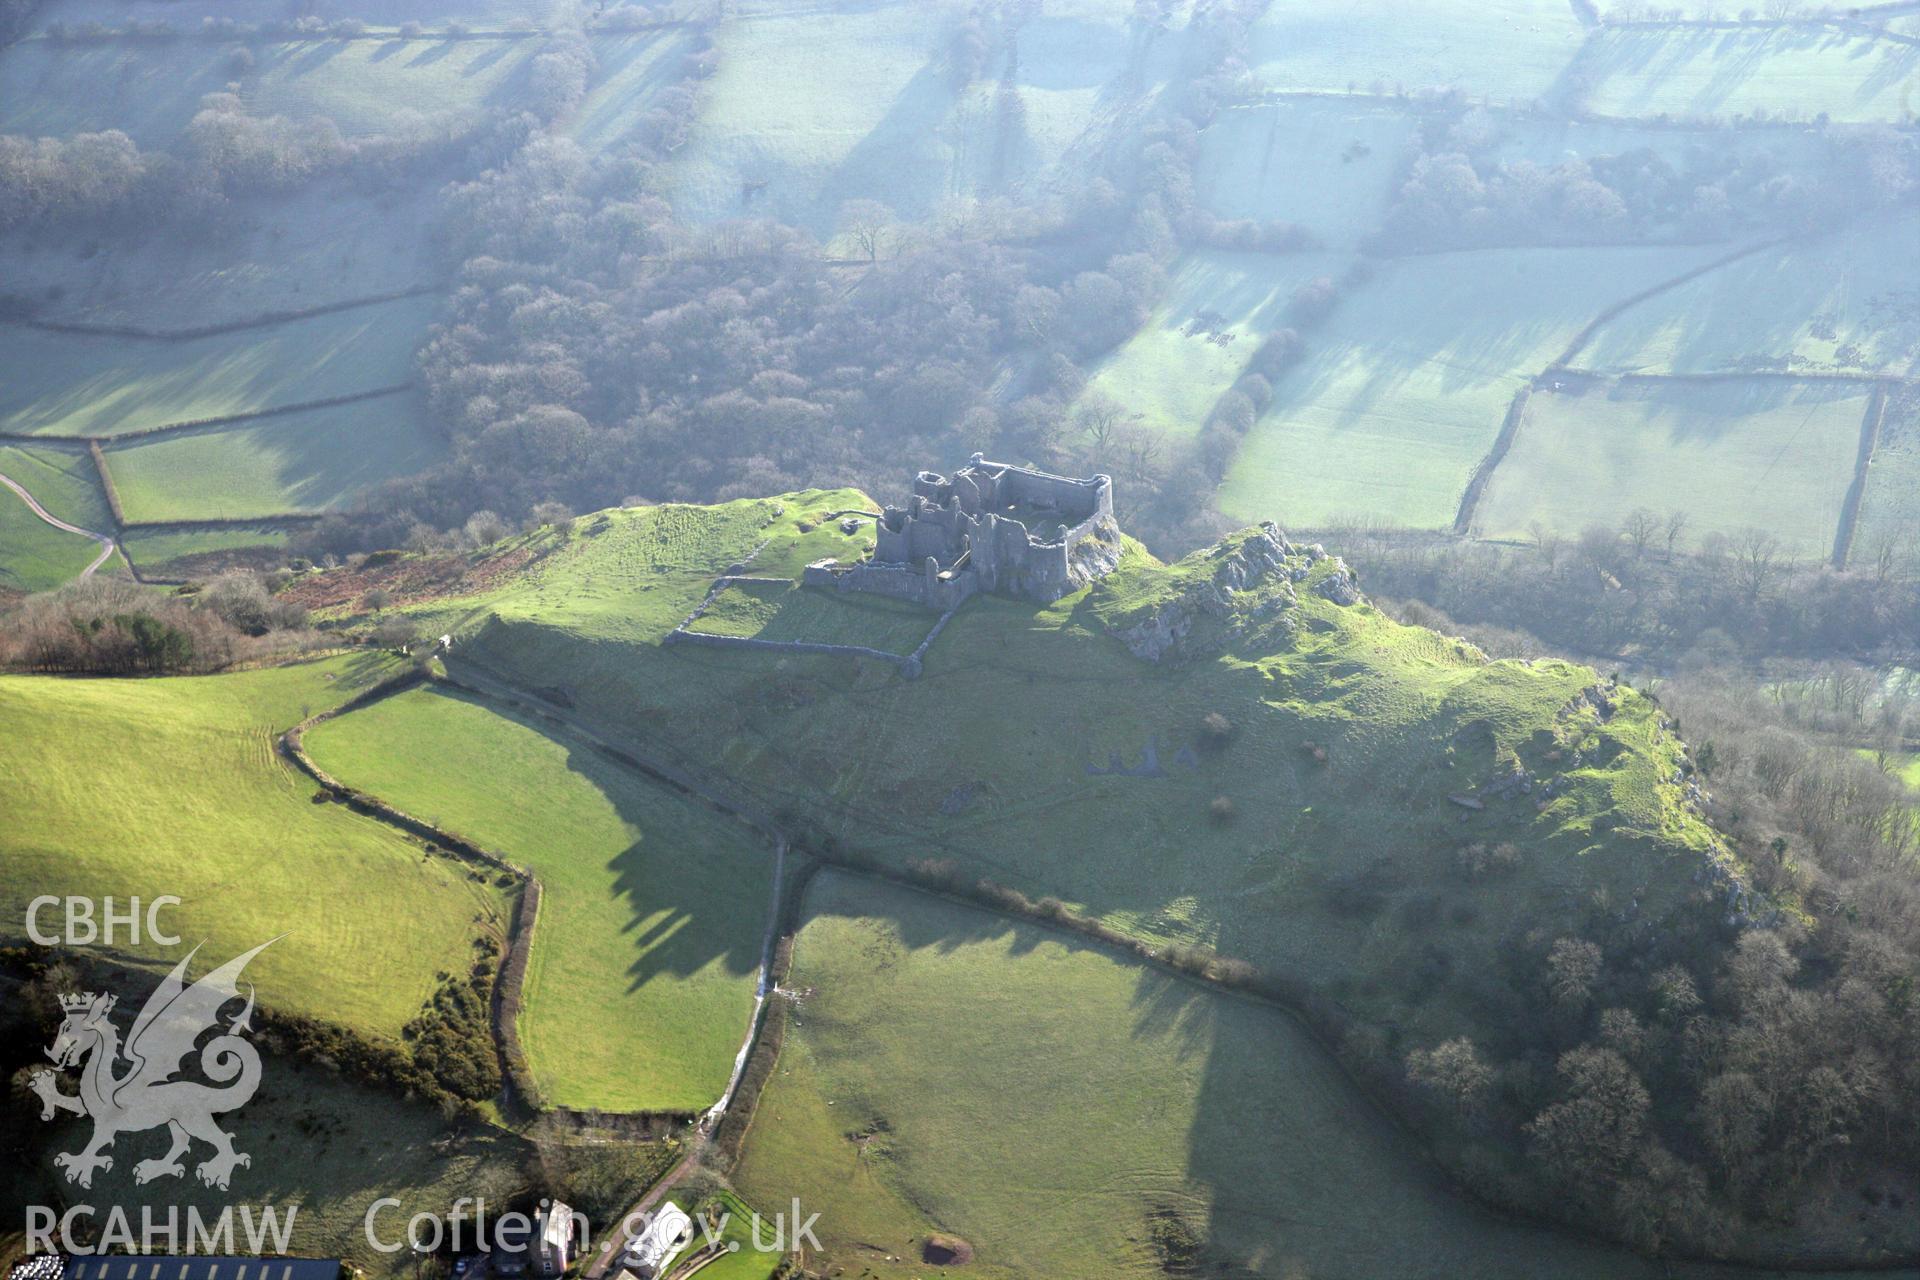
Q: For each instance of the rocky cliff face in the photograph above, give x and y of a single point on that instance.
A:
(1244, 584)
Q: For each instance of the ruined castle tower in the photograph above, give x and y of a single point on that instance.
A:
(991, 527)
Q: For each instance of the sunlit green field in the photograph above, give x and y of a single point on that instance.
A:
(67, 384)
(1779, 457)
(1405, 386)
(299, 462)
(653, 908)
(173, 786)
(33, 554)
(62, 478)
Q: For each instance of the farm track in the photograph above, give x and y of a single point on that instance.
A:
(107, 545)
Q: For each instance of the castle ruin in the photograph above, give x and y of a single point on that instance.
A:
(992, 527)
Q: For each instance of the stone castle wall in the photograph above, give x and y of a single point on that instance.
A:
(992, 527)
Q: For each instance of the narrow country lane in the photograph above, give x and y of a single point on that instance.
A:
(106, 543)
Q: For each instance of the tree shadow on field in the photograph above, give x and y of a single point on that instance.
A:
(433, 53)
(616, 96)
(696, 885)
(902, 162)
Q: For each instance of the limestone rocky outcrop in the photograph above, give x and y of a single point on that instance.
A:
(1250, 588)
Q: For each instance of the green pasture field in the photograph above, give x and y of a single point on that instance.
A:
(151, 90)
(1795, 72)
(147, 91)
(62, 479)
(309, 461)
(262, 255)
(1890, 503)
(1002, 756)
(1404, 387)
(652, 908)
(1505, 51)
(154, 550)
(631, 576)
(812, 106)
(67, 384)
(768, 611)
(173, 786)
(1219, 307)
(1730, 455)
(1846, 302)
(948, 1070)
(33, 554)
(1330, 164)
(799, 103)
(364, 85)
(326, 1148)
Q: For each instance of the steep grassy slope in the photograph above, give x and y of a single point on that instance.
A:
(172, 786)
(1038, 751)
(1067, 1113)
(653, 906)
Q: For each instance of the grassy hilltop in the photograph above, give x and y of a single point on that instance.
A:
(1299, 795)
(1303, 836)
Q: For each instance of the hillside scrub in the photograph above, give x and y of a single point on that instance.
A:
(106, 626)
(1701, 1096)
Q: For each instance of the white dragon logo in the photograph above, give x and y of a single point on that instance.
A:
(146, 1095)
